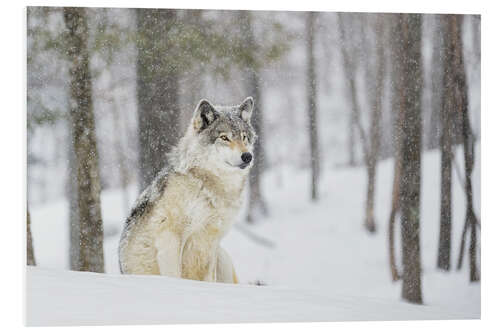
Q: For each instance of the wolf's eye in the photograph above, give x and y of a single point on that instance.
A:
(245, 138)
(224, 137)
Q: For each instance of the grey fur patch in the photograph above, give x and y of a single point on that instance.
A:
(143, 204)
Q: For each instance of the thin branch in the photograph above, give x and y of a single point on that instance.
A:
(462, 245)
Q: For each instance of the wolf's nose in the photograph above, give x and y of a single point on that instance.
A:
(246, 157)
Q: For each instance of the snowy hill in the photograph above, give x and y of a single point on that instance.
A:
(319, 264)
(71, 298)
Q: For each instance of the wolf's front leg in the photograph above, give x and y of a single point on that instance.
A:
(168, 247)
(212, 267)
(225, 268)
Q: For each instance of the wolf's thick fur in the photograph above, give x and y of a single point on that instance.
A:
(177, 223)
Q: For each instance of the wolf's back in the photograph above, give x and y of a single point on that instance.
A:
(141, 207)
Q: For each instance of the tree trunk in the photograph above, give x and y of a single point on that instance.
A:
(436, 82)
(461, 98)
(410, 57)
(392, 219)
(397, 121)
(84, 143)
(375, 126)
(369, 208)
(74, 220)
(157, 91)
(446, 114)
(120, 156)
(257, 205)
(350, 71)
(30, 255)
(352, 140)
(311, 104)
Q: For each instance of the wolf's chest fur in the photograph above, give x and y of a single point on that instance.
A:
(198, 208)
(200, 202)
(201, 212)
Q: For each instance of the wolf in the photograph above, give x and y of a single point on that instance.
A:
(177, 223)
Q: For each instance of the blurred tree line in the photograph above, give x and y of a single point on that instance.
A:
(135, 75)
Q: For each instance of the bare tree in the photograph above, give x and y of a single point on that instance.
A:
(395, 207)
(30, 255)
(312, 103)
(351, 140)
(461, 98)
(448, 105)
(410, 28)
(397, 120)
(120, 155)
(370, 143)
(157, 90)
(349, 58)
(373, 152)
(72, 194)
(438, 54)
(257, 205)
(84, 142)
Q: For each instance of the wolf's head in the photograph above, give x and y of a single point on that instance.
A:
(219, 137)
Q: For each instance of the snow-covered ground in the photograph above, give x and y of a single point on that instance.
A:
(74, 298)
(321, 264)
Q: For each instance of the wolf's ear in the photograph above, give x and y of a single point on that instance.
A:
(246, 109)
(204, 115)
